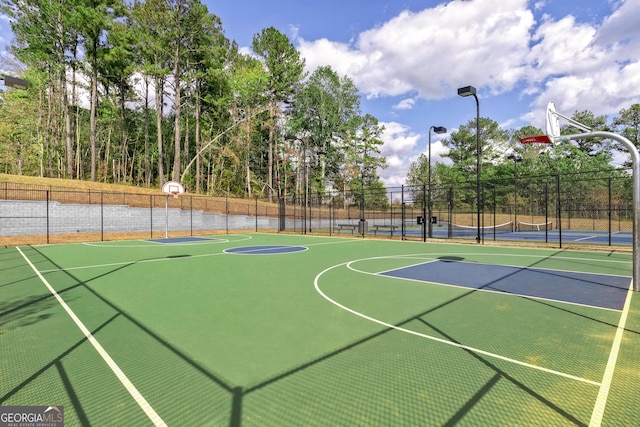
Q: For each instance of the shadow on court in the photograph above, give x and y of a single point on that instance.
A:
(385, 378)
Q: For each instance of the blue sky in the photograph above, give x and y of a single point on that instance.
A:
(408, 58)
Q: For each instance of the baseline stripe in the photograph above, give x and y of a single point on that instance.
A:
(140, 400)
(605, 385)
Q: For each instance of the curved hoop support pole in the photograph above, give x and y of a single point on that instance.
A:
(635, 158)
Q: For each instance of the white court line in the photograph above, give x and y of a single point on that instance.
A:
(586, 238)
(115, 264)
(429, 260)
(133, 391)
(605, 385)
(440, 340)
(142, 261)
(147, 244)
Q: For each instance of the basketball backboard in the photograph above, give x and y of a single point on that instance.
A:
(553, 124)
(172, 188)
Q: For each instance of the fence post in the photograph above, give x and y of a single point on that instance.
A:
(281, 214)
(151, 215)
(559, 210)
(47, 195)
(424, 212)
(494, 213)
(546, 212)
(101, 215)
(609, 208)
(402, 214)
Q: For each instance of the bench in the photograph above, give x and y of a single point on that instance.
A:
(376, 228)
(351, 227)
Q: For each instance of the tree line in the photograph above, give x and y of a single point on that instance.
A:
(145, 92)
(587, 164)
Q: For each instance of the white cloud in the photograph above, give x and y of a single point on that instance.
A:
(398, 139)
(405, 104)
(434, 50)
(585, 67)
(398, 142)
(621, 27)
(498, 47)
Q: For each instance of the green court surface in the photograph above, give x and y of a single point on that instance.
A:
(290, 330)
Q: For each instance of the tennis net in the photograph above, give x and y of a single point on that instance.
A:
(470, 230)
(527, 226)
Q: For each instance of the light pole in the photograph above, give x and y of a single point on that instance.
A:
(471, 91)
(438, 130)
(515, 159)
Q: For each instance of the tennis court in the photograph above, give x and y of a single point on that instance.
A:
(510, 232)
(297, 330)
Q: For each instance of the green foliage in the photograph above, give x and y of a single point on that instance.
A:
(282, 60)
(224, 115)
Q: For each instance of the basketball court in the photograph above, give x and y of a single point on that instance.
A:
(267, 329)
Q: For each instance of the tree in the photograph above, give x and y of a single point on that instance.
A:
(588, 119)
(363, 160)
(117, 68)
(96, 17)
(627, 124)
(47, 41)
(286, 70)
(248, 82)
(19, 148)
(462, 144)
(208, 57)
(151, 20)
(326, 109)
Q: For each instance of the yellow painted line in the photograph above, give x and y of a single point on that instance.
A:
(133, 391)
(605, 384)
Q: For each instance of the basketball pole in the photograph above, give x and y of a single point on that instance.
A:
(635, 158)
(166, 216)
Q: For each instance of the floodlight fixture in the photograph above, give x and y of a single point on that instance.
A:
(467, 91)
(15, 82)
(439, 130)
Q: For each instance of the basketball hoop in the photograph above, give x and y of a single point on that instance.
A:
(553, 132)
(172, 188)
(540, 139)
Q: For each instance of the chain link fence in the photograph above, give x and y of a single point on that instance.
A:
(580, 208)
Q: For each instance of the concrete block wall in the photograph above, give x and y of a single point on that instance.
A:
(36, 218)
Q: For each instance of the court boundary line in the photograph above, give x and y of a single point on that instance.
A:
(264, 250)
(214, 240)
(124, 380)
(440, 340)
(144, 261)
(510, 294)
(440, 254)
(605, 385)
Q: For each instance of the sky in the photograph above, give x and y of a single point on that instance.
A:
(408, 57)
